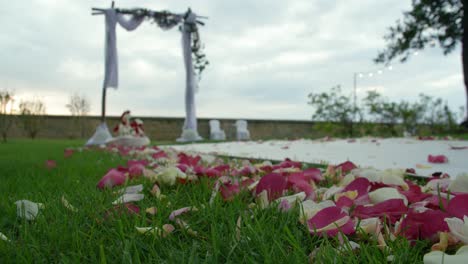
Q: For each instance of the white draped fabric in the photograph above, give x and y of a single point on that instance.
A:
(189, 132)
(111, 75)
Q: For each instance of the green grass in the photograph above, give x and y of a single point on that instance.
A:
(59, 235)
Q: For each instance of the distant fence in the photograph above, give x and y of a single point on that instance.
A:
(166, 128)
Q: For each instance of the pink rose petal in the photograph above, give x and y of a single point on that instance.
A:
(180, 211)
(361, 185)
(112, 178)
(458, 206)
(313, 174)
(50, 164)
(345, 167)
(437, 159)
(188, 160)
(228, 191)
(274, 184)
(136, 170)
(68, 153)
(331, 216)
(423, 225)
(392, 208)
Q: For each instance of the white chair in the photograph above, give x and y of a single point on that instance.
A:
(241, 130)
(216, 133)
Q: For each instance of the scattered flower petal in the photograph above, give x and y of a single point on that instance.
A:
(386, 193)
(330, 220)
(27, 209)
(155, 191)
(68, 205)
(274, 184)
(151, 210)
(170, 175)
(439, 257)
(181, 211)
(129, 197)
(460, 184)
(437, 159)
(458, 206)
(112, 178)
(4, 238)
(458, 228)
(50, 164)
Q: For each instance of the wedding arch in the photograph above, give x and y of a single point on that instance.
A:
(130, 19)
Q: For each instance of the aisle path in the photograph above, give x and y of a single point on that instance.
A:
(365, 152)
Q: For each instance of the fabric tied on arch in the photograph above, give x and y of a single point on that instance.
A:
(111, 74)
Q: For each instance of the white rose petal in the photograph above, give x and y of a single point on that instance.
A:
(129, 197)
(458, 228)
(460, 184)
(27, 209)
(386, 193)
(439, 257)
(3, 237)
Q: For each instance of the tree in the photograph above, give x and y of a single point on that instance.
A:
(429, 22)
(334, 107)
(386, 112)
(79, 107)
(32, 116)
(6, 117)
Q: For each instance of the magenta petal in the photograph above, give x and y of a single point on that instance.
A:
(50, 164)
(361, 185)
(414, 193)
(222, 168)
(159, 155)
(303, 186)
(325, 217)
(68, 153)
(328, 216)
(424, 225)
(313, 174)
(287, 163)
(112, 178)
(212, 173)
(392, 208)
(434, 202)
(182, 167)
(437, 159)
(344, 201)
(188, 160)
(458, 206)
(346, 166)
(274, 184)
(228, 191)
(136, 170)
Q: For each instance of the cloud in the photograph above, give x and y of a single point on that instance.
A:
(265, 56)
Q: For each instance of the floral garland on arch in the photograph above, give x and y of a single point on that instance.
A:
(167, 20)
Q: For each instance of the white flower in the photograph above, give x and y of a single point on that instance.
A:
(458, 228)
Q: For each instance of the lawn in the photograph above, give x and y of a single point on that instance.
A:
(93, 234)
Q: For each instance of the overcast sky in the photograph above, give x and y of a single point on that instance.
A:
(265, 57)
